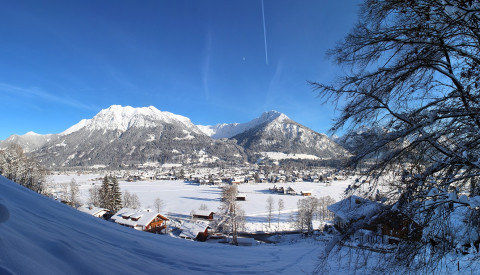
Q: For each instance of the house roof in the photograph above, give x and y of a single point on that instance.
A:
(203, 212)
(92, 210)
(191, 229)
(132, 217)
(354, 207)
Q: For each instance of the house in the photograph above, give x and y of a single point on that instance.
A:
(197, 230)
(290, 191)
(352, 209)
(203, 214)
(144, 220)
(237, 180)
(241, 197)
(98, 212)
(382, 225)
(306, 193)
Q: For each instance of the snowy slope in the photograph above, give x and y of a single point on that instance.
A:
(45, 237)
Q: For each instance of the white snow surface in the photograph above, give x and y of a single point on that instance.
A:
(181, 198)
(121, 118)
(225, 130)
(43, 236)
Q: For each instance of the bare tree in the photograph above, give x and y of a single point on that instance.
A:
(158, 204)
(73, 193)
(281, 206)
(203, 207)
(131, 200)
(307, 208)
(415, 73)
(94, 197)
(269, 207)
(323, 203)
(232, 215)
(26, 171)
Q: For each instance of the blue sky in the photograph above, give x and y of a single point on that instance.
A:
(62, 61)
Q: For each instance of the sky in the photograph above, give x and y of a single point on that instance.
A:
(210, 60)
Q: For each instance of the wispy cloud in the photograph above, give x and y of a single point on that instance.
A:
(35, 92)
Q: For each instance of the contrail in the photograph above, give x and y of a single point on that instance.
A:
(265, 34)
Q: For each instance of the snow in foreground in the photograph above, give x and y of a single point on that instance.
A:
(42, 236)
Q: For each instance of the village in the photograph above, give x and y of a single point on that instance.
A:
(191, 200)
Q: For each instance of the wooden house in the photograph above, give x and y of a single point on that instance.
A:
(203, 215)
(241, 197)
(197, 230)
(306, 193)
(98, 212)
(381, 225)
(290, 191)
(143, 220)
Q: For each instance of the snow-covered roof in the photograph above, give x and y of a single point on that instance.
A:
(203, 212)
(353, 208)
(132, 217)
(92, 210)
(191, 229)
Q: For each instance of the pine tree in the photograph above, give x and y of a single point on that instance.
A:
(115, 195)
(105, 194)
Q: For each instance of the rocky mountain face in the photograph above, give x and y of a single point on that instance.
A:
(123, 136)
(279, 133)
(29, 142)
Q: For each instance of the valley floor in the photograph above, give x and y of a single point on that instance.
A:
(181, 198)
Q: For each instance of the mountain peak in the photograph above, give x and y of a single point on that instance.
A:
(271, 116)
(230, 130)
(117, 117)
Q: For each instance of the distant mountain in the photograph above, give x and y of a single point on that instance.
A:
(275, 132)
(225, 130)
(29, 142)
(122, 136)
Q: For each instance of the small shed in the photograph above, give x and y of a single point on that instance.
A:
(306, 193)
(203, 215)
(241, 197)
(98, 212)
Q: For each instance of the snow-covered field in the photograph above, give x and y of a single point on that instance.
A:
(41, 236)
(181, 198)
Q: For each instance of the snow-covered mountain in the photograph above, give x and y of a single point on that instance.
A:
(122, 136)
(30, 141)
(225, 130)
(275, 132)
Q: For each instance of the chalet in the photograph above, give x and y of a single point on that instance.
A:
(203, 214)
(237, 180)
(306, 193)
(143, 220)
(290, 191)
(381, 224)
(98, 212)
(241, 197)
(195, 231)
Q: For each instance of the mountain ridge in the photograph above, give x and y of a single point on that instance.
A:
(121, 136)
